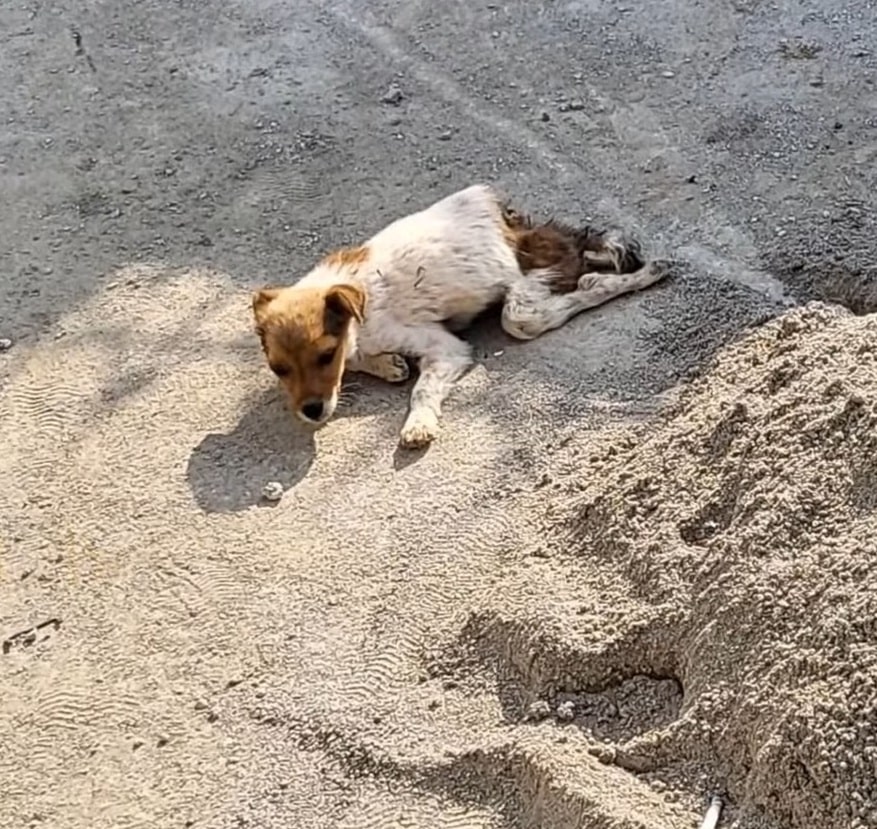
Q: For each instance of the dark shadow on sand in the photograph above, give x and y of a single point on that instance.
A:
(226, 472)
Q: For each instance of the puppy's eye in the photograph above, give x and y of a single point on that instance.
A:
(326, 357)
(280, 371)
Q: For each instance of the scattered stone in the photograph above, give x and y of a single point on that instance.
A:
(576, 105)
(566, 711)
(393, 96)
(799, 49)
(545, 116)
(5, 343)
(668, 73)
(272, 491)
(539, 710)
(445, 136)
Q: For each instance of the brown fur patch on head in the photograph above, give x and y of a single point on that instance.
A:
(303, 330)
(347, 258)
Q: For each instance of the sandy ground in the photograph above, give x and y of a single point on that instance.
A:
(636, 568)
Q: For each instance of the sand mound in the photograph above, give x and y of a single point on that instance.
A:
(747, 522)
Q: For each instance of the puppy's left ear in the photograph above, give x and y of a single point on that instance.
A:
(345, 302)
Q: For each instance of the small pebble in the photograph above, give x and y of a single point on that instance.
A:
(566, 711)
(538, 710)
(668, 73)
(576, 106)
(5, 344)
(393, 96)
(272, 491)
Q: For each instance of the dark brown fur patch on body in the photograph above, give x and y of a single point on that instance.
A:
(569, 251)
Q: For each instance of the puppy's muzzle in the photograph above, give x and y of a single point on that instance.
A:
(316, 411)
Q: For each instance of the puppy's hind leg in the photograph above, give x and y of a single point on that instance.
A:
(531, 308)
(443, 360)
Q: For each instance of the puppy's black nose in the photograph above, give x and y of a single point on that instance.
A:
(313, 410)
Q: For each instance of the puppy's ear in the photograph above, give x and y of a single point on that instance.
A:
(344, 302)
(261, 299)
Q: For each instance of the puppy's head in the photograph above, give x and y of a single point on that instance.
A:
(304, 333)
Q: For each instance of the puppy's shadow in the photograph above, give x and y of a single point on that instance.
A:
(403, 458)
(227, 472)
(486, 336)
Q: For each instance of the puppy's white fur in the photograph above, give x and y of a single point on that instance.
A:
(436, 270)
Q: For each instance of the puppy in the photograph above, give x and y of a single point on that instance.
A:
(403, 292)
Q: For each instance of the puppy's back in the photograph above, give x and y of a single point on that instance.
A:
(450, 259)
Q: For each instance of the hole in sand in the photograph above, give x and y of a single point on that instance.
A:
(626, 709)
(711, 519)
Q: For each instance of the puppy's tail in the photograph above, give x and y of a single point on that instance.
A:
(607, 250)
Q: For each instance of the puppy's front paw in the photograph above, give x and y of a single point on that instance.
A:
(420, 429)
(395, 368)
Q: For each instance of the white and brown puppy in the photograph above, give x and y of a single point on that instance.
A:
(402, 293)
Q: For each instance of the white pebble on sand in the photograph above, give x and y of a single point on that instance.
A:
(566, 711)
(272, 491)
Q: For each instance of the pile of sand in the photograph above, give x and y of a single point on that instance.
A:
(747, 522)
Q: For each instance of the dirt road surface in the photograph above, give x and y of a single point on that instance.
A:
(410, 641)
